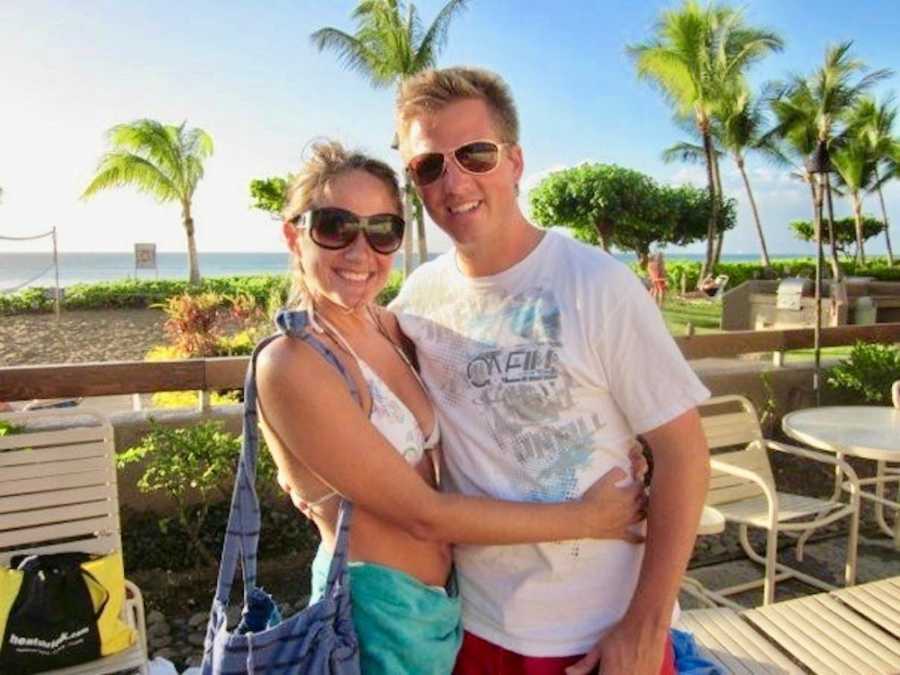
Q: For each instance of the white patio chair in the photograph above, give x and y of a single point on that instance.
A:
(742, 488)
(57, 494)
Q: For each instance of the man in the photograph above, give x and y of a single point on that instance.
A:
(545, 358)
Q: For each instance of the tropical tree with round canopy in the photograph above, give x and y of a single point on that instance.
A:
(390, 44)
(697, 54)
(163, 160)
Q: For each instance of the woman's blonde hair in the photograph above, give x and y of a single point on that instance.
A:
(327, 160)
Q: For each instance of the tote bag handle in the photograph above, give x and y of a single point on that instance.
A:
(242, 532)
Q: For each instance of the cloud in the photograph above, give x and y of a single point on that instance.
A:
(693, 174)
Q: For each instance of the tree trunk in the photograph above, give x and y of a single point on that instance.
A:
(420, 229)
(193, 264)
(857, 220)
(817, 192)
(838, 273)
(714, 204)
(887, 224)
(408, 211)
(720, 225)
(643, 259)
(604, 231)
(764, 253)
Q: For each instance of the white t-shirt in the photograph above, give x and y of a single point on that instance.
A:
(542, 376)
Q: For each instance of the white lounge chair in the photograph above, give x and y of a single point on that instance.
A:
(57, 494)
(742, 489)
(853, 631)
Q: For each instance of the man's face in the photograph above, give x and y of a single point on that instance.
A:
(467, 206)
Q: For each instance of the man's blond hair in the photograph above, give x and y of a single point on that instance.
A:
(431, 90)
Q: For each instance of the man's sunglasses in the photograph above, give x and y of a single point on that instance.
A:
(475, 157)
(335, 228)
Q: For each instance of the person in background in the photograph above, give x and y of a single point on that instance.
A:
(659, 284)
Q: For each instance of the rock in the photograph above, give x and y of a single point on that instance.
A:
(233, 615)
(198, 619)
(165, 653)
(193, 661)
(155, 617)
(159, 642)
(158, 629)
(196, 639)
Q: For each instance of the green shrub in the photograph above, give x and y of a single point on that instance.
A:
(199, 459)
(8, 428)
(868, 372)
(191, 399)
(140, 293)
(739, 272)
(391, 288)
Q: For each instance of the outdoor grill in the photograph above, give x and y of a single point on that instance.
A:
(791, 291)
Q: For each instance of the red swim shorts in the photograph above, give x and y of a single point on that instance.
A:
(480, 657)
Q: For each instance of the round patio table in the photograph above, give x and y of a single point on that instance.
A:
(867, 432)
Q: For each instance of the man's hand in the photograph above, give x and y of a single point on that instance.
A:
(624, 650)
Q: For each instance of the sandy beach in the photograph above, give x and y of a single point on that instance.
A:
(80, 336)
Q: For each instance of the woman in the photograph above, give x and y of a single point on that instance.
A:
(379, 453)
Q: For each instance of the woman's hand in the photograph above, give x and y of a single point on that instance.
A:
(612, 511)
(296, 498)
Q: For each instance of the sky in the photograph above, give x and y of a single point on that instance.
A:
(247, 73)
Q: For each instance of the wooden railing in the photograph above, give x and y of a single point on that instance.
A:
(21, 383)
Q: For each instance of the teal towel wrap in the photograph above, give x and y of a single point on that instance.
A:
(403, 625)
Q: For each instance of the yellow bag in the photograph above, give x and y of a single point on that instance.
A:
(105, 581)
(115, 634)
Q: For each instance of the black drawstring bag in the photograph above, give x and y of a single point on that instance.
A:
(53, 623)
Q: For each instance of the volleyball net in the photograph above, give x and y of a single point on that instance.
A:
(52, 267)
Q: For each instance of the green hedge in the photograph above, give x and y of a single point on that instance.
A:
(740, 272)
(144, 293)
(131, 293)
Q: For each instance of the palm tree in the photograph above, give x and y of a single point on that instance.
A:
(695, 55)
(855, 167)
(737, 128)
(874, 124)
(388, 46)
(163, 160)
(825, 99)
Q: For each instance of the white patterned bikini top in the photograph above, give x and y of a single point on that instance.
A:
(391, 416)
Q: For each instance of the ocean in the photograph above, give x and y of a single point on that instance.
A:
(20, 270)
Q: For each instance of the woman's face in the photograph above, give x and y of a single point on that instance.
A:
(353, 276)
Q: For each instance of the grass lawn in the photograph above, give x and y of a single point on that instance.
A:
(705, 316)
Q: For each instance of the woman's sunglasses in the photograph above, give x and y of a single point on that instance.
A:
(475, 157)
(335, 228)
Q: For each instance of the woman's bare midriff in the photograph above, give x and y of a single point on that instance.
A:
(373, 539)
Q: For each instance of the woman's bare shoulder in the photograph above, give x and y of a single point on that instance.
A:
(389, 322)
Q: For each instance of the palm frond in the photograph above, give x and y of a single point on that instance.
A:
(435, 38)
(690, 153)
(118, 169)
(351, 52)
(146, 138)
